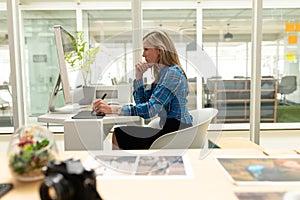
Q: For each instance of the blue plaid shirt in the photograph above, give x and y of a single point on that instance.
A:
(167, 98)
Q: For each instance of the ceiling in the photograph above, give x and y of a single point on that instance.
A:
(215, 21)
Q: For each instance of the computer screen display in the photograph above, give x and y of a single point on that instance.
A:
(67, 79)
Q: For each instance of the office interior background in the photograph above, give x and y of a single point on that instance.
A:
(223, 28)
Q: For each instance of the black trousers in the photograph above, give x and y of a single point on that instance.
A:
(138, 137)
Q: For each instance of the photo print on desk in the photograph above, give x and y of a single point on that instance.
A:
(270, 195)
(163, 166)
(260, 195)
(262, 170)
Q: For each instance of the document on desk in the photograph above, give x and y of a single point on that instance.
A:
(262, 170)
(264, 195)
(120, 165)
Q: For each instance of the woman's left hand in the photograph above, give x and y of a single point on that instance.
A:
(140, 69)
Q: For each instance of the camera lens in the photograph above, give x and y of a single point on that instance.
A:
(56, 187)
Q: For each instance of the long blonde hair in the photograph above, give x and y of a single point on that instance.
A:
(168, 56)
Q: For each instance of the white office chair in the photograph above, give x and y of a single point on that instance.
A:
(192, 137)
(287, 85)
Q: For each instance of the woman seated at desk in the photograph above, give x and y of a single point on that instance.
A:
(166, 98)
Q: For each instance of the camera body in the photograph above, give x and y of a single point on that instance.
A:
(68, 180)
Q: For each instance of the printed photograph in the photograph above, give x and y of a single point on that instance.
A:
(280, 195)
(260, 195)
(270, 169)
(140, 166)
(160, 165)
(115, 165)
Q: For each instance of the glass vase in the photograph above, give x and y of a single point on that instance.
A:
(30, 149)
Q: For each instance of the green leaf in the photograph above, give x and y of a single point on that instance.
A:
(83, 57)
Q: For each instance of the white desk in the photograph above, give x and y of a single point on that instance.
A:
(209, 181)
(54, 118)
(87, 134)
(2, 101)
(5, 87)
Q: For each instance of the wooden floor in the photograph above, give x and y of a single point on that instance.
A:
(271, 139)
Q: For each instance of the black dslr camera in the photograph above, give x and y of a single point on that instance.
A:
(68, 180)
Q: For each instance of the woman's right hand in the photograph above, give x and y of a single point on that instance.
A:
(140, 69)
(100, 106)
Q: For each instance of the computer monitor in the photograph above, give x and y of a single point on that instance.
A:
(64, 43)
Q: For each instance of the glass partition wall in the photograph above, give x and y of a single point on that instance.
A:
(6, 114)
(40, 55)
(226, 36)
(112, 31)
(231, 50)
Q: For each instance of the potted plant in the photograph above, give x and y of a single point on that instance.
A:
(81, 59)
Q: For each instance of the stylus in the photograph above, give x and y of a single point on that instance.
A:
(103, 96)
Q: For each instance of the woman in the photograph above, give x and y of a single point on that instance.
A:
(166, 97)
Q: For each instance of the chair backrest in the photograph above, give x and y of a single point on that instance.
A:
(192, 137)
(287, 85)
(154, 123)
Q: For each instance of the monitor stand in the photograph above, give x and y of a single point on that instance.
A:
(69, 108)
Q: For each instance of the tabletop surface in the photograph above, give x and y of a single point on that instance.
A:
(208, 181)
(60, 118)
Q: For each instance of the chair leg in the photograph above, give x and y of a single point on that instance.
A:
(282, 98)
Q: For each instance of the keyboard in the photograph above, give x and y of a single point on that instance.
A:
(69, 109)
(65, 110)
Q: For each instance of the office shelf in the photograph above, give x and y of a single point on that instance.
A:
(232, 99)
